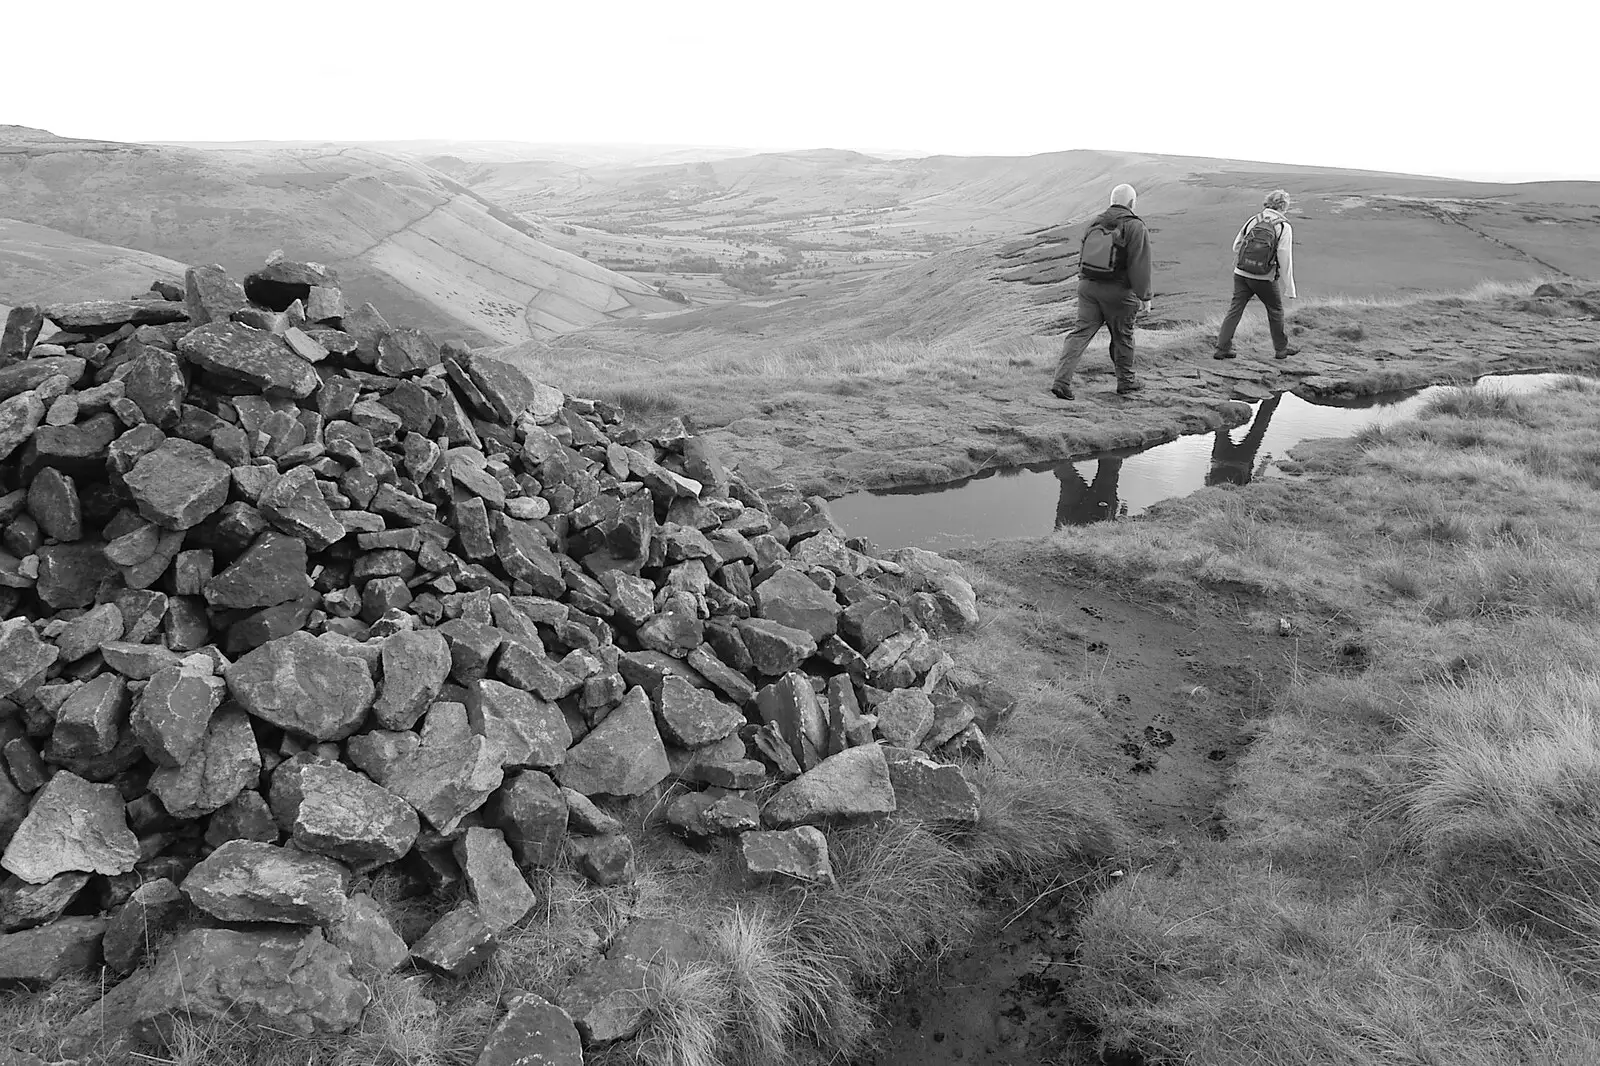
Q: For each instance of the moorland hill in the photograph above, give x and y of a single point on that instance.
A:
(402, 235)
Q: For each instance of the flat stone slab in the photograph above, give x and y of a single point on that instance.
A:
(74, 825)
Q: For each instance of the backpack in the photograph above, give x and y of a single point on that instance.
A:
(1259, 252)
(1101, 257)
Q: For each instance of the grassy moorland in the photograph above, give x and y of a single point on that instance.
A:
(1411, 868)
(837, 414)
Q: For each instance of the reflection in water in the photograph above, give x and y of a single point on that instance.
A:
(1080, 502)
(1235, 463)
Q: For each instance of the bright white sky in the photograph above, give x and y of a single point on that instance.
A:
(1425, 87)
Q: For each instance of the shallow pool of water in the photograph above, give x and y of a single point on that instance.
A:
(1032, 500)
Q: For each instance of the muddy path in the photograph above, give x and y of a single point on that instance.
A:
(1176, 690)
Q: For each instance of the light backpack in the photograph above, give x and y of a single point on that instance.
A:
(1259, 252)
(1101, 257)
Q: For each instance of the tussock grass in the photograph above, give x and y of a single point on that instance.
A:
(1412, 866)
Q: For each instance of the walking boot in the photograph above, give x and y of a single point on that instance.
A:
(1286, 353)
(1125, 387)
(1061, 392)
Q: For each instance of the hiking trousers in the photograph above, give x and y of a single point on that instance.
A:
(1101, 303)
(1265, 291)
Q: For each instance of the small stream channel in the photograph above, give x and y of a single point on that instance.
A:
(1032, 500)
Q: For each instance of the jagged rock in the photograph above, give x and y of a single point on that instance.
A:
(532, 1032)
(271, 571)
(791, 598)
(790, 704)
(211, 294)
(174, 711)
(250, 355)
(224, 765)
(692, 717)
(905, 717)
(366, 934)
(178, 484)
(19, 416)
(53, 502)
(345, 816)
(300, 684)
(456, 944)
(800, 854)
(452, 771)
(24, 905)
(530, 810)
(245, 817)
(415, 665)
(295, 505)
(774, 647)
(86, 633)
(68, 945)
(153, 909)
(622, 756)
(610, 998)
(98, 313)
(853, 784)
(529, 731)
(605, 860)
(21, 330)
(23, 656)
(155, 384)
(287, 980)
(88, 723)
(493, 881)
(70, 574)
(138, 661)
(867, 623)
(245, 881)
(942, 577)
(74, 825)
(931, 791)
(716, 811)
(584, 818)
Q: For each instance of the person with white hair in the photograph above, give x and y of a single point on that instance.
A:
(1263, 269)
(1113, 288)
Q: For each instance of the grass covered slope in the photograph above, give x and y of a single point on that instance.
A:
(1411, 871)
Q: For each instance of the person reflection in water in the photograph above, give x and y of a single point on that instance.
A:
(1080, 502)
(1234, 463)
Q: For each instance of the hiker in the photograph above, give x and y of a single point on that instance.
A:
(1113, 287)
(1264, 268)
(1236, 463)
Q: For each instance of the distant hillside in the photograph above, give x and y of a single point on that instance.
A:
(47, 266)
(410, 239)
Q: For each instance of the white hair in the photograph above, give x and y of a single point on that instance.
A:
(1124, 195)
(1277, 199)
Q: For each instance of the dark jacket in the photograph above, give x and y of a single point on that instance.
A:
(1136, 247)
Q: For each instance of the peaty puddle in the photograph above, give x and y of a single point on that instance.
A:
(1030, 501)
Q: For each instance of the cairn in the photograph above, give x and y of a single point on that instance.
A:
(291, 595)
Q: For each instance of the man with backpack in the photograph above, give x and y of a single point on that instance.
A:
(1113, 287)
(1263, 268)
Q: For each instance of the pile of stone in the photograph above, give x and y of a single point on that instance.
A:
(291, 595)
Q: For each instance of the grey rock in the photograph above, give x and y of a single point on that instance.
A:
(178, 484)
(798, 854)
(153, 910)
(714, 812)
(364, 932)
(87, 632)
(138, 661)
(905, 717)
(295, 505)
(528, 730)
(790, 704)
(692, 717)
(224, 765)
(775, 648)
(88, 723)
(245, 817)
(300, 684)
(287, 980)
(19, 416)
(456, 944)
(155, 383)
(610, 998)
(493, 881)
(605, 860)
(415, 666)
(452, 771)
(269, 572)
(530, 809)
(584, 818)
(69, 945)
(53, 502)
(211, 295)
(74, 825)
(246, 881)
(931, 791)
(250, 355)
(346, 816)
(70, 574)
(853, 784)
(532, 1032)
(25, 906)
(622, 756)
(23, 656)
(98, 313)
(174, 711)
(790, 597)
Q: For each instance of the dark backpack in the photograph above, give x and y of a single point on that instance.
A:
(1259, 252)
(1102, 256)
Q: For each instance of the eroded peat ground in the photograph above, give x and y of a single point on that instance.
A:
(1173, 690)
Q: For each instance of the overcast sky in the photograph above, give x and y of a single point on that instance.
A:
(1423, 87)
